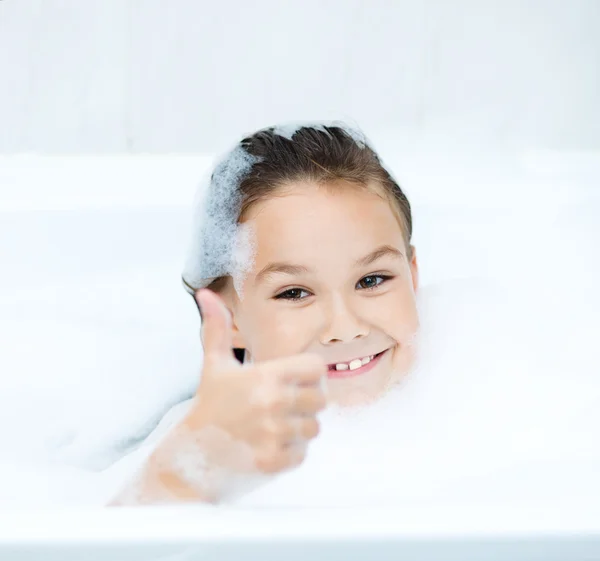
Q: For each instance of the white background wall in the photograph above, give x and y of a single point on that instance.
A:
(191, 76)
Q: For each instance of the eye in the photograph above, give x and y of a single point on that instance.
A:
(292, 294)
(372, 281)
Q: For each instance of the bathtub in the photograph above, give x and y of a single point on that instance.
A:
(433, 532)
(92, 311)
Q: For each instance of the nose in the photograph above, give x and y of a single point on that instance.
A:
(342, 323)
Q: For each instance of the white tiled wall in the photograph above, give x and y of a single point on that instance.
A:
(189, 75)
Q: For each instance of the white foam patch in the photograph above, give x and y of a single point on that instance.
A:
(243, 255)
(214, 223)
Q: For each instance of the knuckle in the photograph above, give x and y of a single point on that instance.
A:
(269, 462)
(273, 403)
(320, 401)
(313, 401)
(269, 428)
(312, 429)
(273, 430)
(269, 399)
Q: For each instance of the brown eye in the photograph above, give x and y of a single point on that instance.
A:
(291, 294)
(372, 281)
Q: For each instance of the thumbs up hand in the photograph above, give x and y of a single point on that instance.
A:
(246, 422)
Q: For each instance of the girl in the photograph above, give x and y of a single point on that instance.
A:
(302, 263)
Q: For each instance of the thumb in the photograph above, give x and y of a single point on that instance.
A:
(216, 321)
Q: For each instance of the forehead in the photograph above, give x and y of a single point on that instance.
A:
(303, 220)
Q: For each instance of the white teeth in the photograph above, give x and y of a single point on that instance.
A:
(354, 364)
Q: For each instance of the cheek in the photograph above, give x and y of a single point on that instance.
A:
(396, 313)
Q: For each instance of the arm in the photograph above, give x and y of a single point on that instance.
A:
(154, 484)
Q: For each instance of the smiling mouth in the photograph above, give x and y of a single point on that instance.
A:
(355, 367)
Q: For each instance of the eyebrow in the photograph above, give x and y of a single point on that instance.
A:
(290, 269)
(380, 252)
(282, 268)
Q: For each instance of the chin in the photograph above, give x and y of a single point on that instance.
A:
(358, 396)
(359, 390)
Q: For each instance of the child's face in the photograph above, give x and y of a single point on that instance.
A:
(330, 275)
